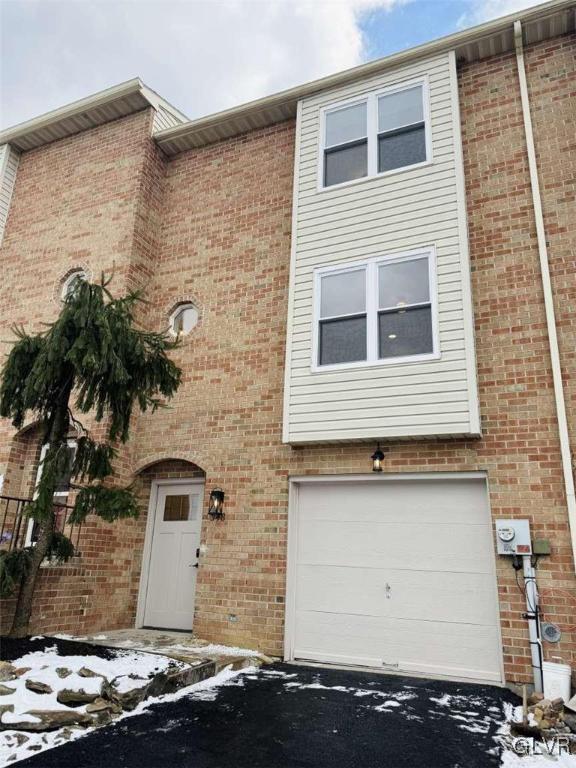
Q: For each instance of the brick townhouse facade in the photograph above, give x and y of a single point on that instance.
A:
(211, 223)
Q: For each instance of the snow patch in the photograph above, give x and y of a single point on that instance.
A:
(443, 701)
(11, 752)
(213, 649)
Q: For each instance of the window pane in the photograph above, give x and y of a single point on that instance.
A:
(398, 150)
(63, 482)
(403, 282)
(342, 341)
(407, 332)
(176, 508)
(345, 164)
(347, 124)
(401, 108)
(185, 319)
(343, 294)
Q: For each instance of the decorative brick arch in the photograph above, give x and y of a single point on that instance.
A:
(162, 456)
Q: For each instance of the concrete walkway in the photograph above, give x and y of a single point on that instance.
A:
(177, 645)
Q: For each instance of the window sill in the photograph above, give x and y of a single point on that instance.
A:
(409, 360)
(384, 174)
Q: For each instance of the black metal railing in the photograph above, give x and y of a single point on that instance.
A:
(18, 528)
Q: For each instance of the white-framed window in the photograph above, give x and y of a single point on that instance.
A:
(376, 312)
(183, 319)
(381, 133)
(71, 282)
(62, 488)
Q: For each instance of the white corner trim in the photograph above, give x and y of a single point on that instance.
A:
(7, 186)
(548, 292)
(468, 307)
(292, 280)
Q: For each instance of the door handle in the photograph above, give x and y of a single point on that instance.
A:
(388, 591)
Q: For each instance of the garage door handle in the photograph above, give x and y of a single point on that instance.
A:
(388, 591)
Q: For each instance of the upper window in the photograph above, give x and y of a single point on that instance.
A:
(72, 282)
(183, 319)
(384, 132)
(379, 311)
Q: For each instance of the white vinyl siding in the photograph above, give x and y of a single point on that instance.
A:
(163, 119)
(8, 168)
(407, 209)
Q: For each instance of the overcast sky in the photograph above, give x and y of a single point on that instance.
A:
(205, 55)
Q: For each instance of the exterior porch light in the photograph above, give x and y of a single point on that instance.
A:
(377, 459)
(216, 507)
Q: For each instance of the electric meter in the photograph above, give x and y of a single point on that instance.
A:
(513, 537)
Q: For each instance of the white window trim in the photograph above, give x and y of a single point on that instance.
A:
(178, 308)
(371, 265)
(76, 273)
(371, 101)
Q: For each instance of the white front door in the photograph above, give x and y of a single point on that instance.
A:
(173, 558)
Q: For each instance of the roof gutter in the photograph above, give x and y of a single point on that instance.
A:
(564, 436)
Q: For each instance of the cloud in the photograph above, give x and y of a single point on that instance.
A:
(202, 55)
(485, 10)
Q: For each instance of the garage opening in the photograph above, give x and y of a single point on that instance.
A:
(396, 573)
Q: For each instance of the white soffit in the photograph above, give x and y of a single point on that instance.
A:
(118, 101)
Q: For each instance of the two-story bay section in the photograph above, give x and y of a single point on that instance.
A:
(380, 337)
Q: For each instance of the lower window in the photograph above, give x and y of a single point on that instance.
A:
(378, 311)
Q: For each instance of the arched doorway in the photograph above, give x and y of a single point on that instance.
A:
(175, 490)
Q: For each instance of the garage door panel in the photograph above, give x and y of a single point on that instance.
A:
(459, 597)
(397, 574)
(404, 502)
(461, 547)
(424, 647)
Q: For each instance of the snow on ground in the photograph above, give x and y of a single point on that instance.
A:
(510, 760)
(523, 753)
(43, 666)
(9, 739)
(212, 649)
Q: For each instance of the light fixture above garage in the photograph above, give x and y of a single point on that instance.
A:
(377, 459)
(216, 508)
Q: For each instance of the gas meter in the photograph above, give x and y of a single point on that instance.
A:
(513, 537)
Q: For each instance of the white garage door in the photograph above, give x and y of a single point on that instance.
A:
(395, 574)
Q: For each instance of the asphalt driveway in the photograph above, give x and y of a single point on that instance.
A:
(302, 717)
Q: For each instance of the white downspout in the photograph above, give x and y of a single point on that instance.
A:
(548, 295)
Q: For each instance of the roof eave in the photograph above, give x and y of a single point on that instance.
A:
(490, 38)
(118, 101)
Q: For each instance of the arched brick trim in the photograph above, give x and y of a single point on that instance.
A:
(79, 266)
(195, 460)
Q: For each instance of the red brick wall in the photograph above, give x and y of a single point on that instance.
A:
(213, 226)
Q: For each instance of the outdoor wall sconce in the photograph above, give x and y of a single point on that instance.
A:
(216, 508)
(377, 459)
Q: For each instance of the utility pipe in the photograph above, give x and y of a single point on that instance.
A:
(533, 616)
(548, 295)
